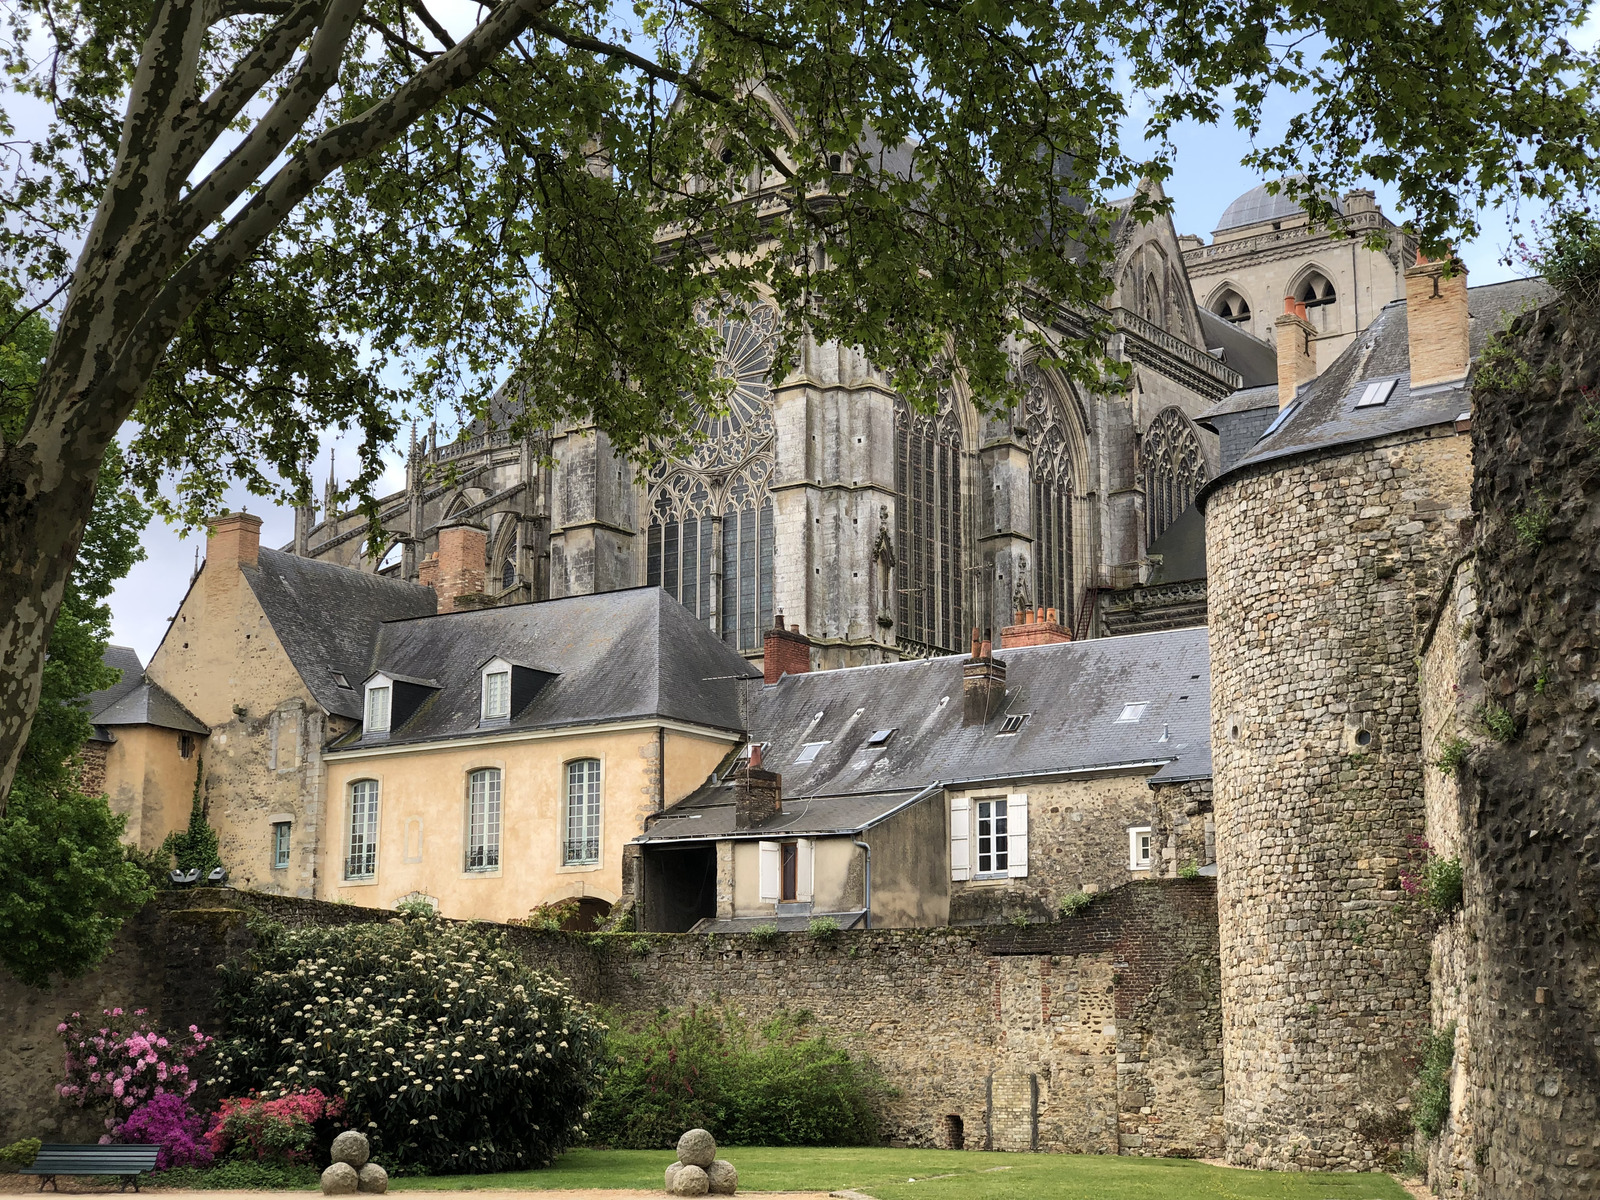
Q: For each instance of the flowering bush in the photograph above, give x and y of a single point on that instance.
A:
(167, 1121)
(125, 1062)
(447, 1049)
(1431, 880)
(280, 1131)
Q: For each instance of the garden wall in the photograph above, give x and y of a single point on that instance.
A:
(1098, 1033)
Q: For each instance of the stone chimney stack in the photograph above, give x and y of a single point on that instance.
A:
(1361, 200)
(983, 684)
(233, 540)
(1038, 627)
(460, 566)
(757, 792)
(1436, 321)
(1297, 351)
(784, 651)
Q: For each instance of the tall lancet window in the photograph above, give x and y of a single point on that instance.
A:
(710, 541)
(1051, 472)
(928, 553)
(1174, 470)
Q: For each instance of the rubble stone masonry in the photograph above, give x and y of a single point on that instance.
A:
(1098, 1033)
(1323, 571)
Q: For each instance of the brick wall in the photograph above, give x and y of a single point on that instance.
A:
(1097, 1034)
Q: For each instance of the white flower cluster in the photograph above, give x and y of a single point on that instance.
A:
(457, 1055)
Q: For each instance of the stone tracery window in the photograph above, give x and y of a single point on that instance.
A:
(1231, 306)
(1051, 472)
(1174, 470)
(930, 608)
(710, 541)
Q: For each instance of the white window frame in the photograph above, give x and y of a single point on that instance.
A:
(379, 696)
(361, 830)
(1015, 835)
(485, 816)
(282, 832)
(499, 669)
(990, 825)
(588, 825)
(1135, 833)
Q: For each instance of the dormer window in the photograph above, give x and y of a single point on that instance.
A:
(496, 695)
(378, 693)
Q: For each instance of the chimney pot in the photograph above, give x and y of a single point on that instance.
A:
(983, 687)
(1035, 627)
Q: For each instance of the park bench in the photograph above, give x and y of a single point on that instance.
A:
(127, 1161)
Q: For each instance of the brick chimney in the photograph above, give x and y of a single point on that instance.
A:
(983, 684)
(757, 793)
(784, 651)
(1436, 321)
(234, 540)
(1297, 350)
(463, 551)
(1034, 627)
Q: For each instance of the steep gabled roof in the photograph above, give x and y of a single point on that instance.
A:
(1077, 694)
(615, 656)
(327, 618)
(118, 658)
(134, 700)
(1255, 360)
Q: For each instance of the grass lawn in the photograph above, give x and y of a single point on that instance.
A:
(940, 1175)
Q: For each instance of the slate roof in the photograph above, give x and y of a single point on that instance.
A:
(1074, 691)
(1246, 399)
(1255, 360)
(134, 700)
(1324, 416)
(327, 618)
(614, 656)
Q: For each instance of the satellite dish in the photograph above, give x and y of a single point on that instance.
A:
(218, 876)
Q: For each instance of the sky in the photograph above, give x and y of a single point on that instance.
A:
(1207, 177)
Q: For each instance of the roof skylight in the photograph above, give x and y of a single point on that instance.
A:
(340, 681)
(1013, 723)
(808, 753)
(1279, 420)
(1133, 712)
(1376, 393)
(880, 737)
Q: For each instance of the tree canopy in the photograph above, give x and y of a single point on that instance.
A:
(262, 218)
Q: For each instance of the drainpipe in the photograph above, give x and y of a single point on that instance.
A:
(867, 888)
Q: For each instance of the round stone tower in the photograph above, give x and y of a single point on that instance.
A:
(1326, 544)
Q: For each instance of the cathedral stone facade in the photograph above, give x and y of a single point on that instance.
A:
(879, 531)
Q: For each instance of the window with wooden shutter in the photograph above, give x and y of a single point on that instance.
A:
(960, 839)
(769, 870)
(1017, 819)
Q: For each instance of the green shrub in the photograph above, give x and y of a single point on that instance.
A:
(449, 1051)
(1189, 870)
(18, 1155)
(1430, 1099)
(1531, 525)
(1500, 723)
(765, 933)
(1441, 890)
(1453, 755)
(825, 930)
(673, 1072)
(1072, 905)
(237, 1175)
(1568, 253)
(553, 917)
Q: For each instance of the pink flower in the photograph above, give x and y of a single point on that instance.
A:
(61, 1028)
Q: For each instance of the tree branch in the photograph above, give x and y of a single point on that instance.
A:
(287, 117)
(249, 76)
(440, 33)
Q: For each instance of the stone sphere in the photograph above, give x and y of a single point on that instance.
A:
(340, 1180)
(690, 1181)
(672, 1173)
(722, 1178)
(373, 1178)
(351, 1147)
(697, 1148)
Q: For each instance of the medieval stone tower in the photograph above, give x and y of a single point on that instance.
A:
(1327, 544)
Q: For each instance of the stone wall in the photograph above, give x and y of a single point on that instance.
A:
(1531, 806)
(1099, 1033)
(1323, 573)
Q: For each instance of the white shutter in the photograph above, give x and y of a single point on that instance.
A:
(960, 838)
(1017, 830)
(770, 859)
(804, 878)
